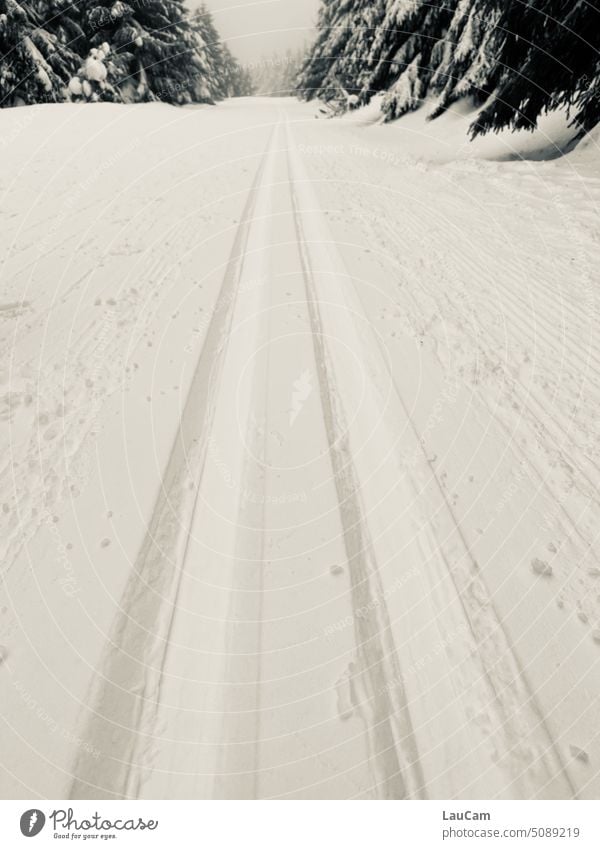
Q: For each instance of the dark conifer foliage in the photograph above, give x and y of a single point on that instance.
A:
(407, 49)
(35, 63)
(226, 77)
(159, 52)
(464, 62)
(353, 67)
(315, 75)
(514, 58)
(55, 50)
(548, 57)
(236, 79)
(211, 86)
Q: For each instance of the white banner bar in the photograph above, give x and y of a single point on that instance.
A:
(306, 825)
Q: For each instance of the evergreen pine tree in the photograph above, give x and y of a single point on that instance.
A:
(405, 51)
(353, 29)
(394, 32)
(466, 63)
(238, 79)
(344, 48)
(159, 53)
(519, 57)
(224, 76)
(548, 57)
(97, 77)
(315, 78)
(53, 50)
(35, 66)
(212, 86)
(63, 18)
(370, 15)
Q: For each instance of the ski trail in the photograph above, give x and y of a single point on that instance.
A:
(252, 702)
(471, 704)
(124, 697)
(213, 654)
(343, 644)
(226, 676)
(312, 739)
(393, 745)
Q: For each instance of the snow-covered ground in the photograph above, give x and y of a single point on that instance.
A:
(299, 491)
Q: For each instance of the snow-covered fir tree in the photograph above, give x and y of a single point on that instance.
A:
(158, 53)
(237, 79)
(225, 77)
(318, 75)
(212, 85)
(405, 50)
(346, 49)
(368, 46)
(465, 59)
(354, 64)
(548, 57)
(518, 58)
(97, 77)
(337, 69)
(63, 18)
(35, 64)
(56, 50)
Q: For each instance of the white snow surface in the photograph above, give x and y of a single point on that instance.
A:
(95, 69)
(299, 492)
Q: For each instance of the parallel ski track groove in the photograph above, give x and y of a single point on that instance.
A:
(124, 783)
(530, 701)
(393, 779)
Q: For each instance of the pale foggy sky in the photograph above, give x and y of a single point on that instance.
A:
(253, 28)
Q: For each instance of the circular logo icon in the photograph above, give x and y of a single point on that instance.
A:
(32, 822)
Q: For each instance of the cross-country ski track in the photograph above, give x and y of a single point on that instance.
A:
(364, 558)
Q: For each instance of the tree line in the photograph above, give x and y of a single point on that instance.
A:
(515, 59)
(276, 75)
(140, 50)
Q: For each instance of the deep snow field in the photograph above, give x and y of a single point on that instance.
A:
(300, 456)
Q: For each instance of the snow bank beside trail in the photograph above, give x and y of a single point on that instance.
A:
(446, 138)
(587, 151)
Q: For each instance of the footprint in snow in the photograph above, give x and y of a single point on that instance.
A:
(50, 434)
(540, 567)
(345, 693)
(579, 754)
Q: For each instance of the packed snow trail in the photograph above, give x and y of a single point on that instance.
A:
(206, 680)
(337, 544)
(260, 543)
